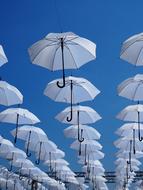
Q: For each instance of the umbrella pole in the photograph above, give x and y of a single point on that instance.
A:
(38, 160)
(79, 139)
(139, 131)
(11, 164)
(69, 119)
(27, 149)
(85, 154)
(134, 143)
(15, 139)
(50, 159)
(130, 157)
(127, 173)
(62, 49)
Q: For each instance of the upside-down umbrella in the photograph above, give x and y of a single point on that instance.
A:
(76, 90)
(9, 94)
(3, 58)
(41, 148)
(30, 134)
(132, 50)
(133, 113)
(60, 51)
(81, 115)
(18, 116)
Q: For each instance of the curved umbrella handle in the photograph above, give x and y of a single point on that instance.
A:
(71, 116)
(27, 149)
(63, 66)
(15, 138)
(38, 160)
(80, 138)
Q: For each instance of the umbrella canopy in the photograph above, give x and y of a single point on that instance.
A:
(18, 116)
(6, 146)
(9, 94)
(76, 90)
(86, 115)
(30, 134)
(41, 148)
(3, 58)
(131, 50)
(132, 88)
(21, 162)
(60, 51)
(88, 132)
(133, 113)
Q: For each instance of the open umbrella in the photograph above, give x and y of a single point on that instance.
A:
(81, 115)
(60, 51)
(132, 50)
(132, 88)
(9, 94)
(18, 116)
(30, 134)
(76, 90)
(41, 148)
(133, 113)
(87, 132)
(3, 58)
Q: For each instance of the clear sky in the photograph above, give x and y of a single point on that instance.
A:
(107, 23)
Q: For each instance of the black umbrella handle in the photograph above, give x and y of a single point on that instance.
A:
(63, 66)
(134, 142)
(139, 131)
(80, 132)
(71, 112)
(15, 139)
(79, 152)
(85, 163)
(38, 160)
(28, 144)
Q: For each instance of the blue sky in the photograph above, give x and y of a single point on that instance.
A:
(107, 23)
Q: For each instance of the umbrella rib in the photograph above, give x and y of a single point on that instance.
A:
(129, 46)
(138, 55)
(46, 46)
(136, 90)
(72, 56)
(54, 57)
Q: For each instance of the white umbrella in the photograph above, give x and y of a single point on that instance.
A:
(81, 115)
(60, 51)
(87, 132)
(132, 88)
(87, 146)
(9, 94)
(55, 163)
(30, 134)
(41, 148)
(5, 146)
(76, 90)
(18, 116)
(132, 50)
(3, 58)
(133, 113)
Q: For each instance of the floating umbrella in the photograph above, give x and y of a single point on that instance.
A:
(129, 130)
(18, 116)
(76, 90)
(6, 146)
(133, 113)
(9, 94)
(90, 145)
(87, 132)
(81, 115)
(3, 58)
(132, 50)
(41, 148)
(132, 88)
(60, 51)
(30, 134)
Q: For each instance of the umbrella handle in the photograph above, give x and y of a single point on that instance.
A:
(15, 138)
(71, 113)
(85, 163)
(81, 139)
(63, 66)
(27, 149)
(134, 143)
(79, 152)
(38, 160)
(139, 131)
(10, 169)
